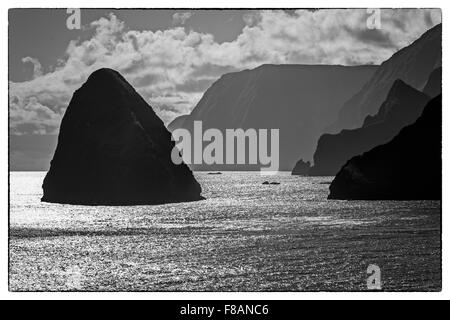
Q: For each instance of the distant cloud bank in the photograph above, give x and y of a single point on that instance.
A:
(172, 68)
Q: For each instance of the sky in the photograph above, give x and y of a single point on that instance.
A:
(172, 56)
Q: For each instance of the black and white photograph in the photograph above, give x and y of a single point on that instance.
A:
(195, 150)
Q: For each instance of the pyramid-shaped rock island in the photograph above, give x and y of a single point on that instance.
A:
(114, 150)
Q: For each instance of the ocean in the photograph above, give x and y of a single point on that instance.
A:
(245, 236)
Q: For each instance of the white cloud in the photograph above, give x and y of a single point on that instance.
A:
(32, 117)
(37, 67)
(172, 68)
(180, 18)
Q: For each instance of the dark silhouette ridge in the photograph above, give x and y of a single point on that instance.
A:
(402, 107)
(412, 64)
(433, 87)
(407, 168)
(114, 150)
(300, 100)
(301, 168)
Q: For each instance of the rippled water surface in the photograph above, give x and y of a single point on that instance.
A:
(245, 237)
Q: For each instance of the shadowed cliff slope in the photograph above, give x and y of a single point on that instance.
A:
(407, 168)
(433, 87)
(403, 106)
(300, 100)
(412, 64)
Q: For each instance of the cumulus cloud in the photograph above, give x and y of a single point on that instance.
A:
(250, 18)
(37, 67)
(180, 18)
(31, 117)
(172, 68)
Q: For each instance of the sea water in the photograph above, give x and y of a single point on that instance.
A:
(245, 236)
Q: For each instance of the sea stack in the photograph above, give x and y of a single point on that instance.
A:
(407, 168)
(114, 150)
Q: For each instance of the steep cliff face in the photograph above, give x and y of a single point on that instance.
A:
(412, 64)
(300, 100)
(433, 87)
(407, 168)
(114, 150)
(301, 168)
(403, 106)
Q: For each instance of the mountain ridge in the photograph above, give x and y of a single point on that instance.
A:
(413, 64)
(300, 100)
(403, 105)
(409, 167)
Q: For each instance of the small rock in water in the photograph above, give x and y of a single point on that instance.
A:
(271, 183)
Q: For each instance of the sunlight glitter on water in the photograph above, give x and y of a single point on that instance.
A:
(245, 237)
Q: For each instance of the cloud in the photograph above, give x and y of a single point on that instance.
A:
(180, 18)
(31, 117)
(37, 67)
(172, 68)
(250, 18)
